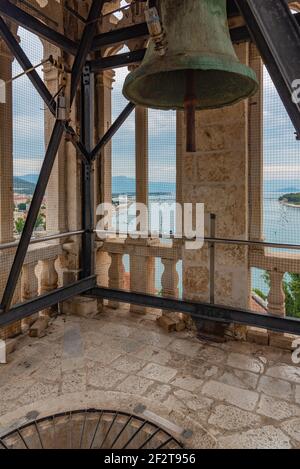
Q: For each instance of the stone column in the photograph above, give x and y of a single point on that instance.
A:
(56, 220)
(6, 183)
(142, 268)
(6, 149)
(103, 166)
(103, 120)
(141, 155)
(256, 151)
(217, 175)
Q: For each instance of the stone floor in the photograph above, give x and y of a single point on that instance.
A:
(232, 395)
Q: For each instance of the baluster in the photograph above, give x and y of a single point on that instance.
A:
(276, 306)
(116, 275)
(29, 290)
(276, 297)
(142, 279)
(170, 321)
(48, 280)
(103, 261)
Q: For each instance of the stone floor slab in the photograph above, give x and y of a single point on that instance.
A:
(275, 387)
(245, 362)
(158, 372)
(188, 383)
(277, 409)
(230, 418)
(267, 437)
(135, 385)
(289, 373)
(292, 428)
(223, 392)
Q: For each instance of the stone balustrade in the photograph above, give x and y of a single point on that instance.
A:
(142, 256)
(277, 264)
(41, 273)
(44, 271)
(142, 268)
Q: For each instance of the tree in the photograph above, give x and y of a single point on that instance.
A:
(19, 224)
(40, 221)
(292, 292)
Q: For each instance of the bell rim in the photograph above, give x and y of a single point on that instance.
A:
(205, 64)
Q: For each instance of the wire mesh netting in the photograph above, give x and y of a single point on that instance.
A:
(281, 188)
(274, 172)
(27, 125)
(28, 134)
(254, 195)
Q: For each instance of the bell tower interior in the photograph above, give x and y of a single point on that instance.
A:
(149, 223)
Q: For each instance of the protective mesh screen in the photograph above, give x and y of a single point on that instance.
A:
(28, 133)
(244, 194)
(281, 187)
(26, 127)
(245, 171)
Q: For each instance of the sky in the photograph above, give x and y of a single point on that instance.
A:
(281, 150)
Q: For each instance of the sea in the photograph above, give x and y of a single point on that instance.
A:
(281, 224)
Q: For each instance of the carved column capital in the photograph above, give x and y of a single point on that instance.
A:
(4, 51)
(105, 79)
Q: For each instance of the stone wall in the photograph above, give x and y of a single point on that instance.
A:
(217, 175)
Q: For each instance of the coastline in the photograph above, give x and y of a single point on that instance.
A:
(289, 204)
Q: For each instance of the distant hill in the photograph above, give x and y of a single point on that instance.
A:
(120, 185)
(33, 178)
(125, 185)
(23, 187)
(284, 186)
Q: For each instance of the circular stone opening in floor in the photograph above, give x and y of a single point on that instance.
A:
(89, 429)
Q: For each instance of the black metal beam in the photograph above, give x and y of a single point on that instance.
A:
(120, 35)
(87, 139)
(32, 215)
(232, 9)
(25, 63)
(112, 130)
(118, 60)
(30, 307)
(276, 33)
(29, 22)
(117, 36)
(201, 310)
(85, 44)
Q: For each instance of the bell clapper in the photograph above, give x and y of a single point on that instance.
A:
(190, 102)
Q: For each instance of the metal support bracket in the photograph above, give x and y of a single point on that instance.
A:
(87, 139)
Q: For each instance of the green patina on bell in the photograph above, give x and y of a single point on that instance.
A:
(198, 40)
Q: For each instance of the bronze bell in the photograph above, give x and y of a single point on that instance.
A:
(199, 65)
